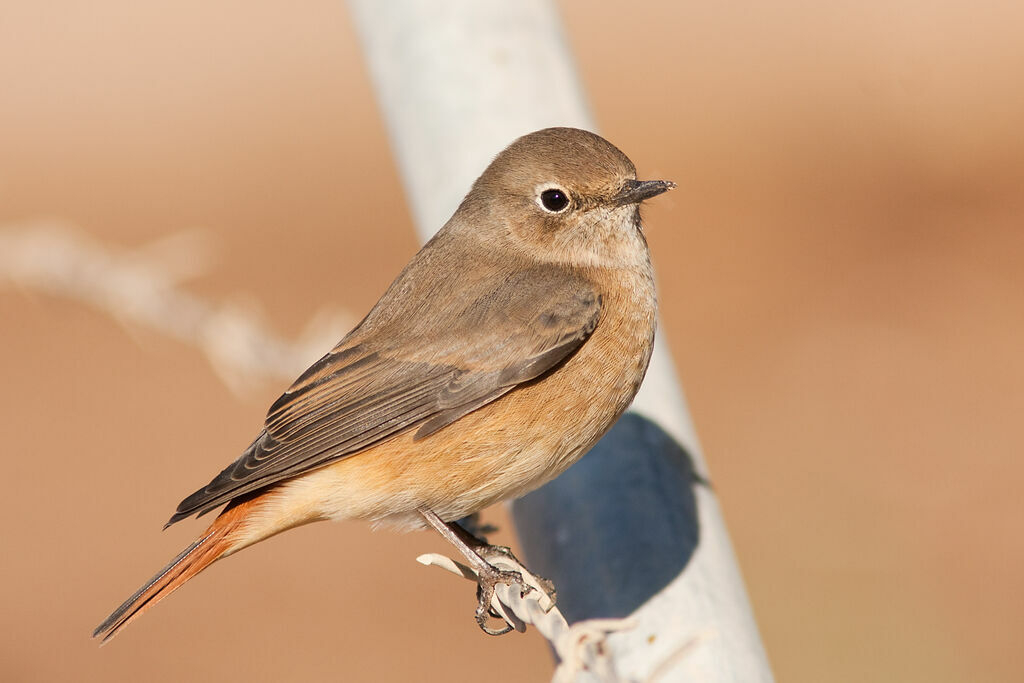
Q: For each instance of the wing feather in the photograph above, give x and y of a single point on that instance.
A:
(368, 391)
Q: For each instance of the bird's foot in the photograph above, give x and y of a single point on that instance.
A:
(490, 553)
(488, 578)
(482, 559)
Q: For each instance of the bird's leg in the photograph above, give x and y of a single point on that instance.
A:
(488, 576)
(488, 552)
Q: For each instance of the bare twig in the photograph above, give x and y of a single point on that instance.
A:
(143, 286)
(579, 647)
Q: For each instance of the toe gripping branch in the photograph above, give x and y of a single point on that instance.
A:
(520, 598)
(492, 567)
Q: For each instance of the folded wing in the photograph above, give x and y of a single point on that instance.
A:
(372, 387)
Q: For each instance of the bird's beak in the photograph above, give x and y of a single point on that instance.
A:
(636, 191)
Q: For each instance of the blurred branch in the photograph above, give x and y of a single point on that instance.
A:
(143, 286)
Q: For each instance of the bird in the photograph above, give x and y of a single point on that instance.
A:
(503, 351)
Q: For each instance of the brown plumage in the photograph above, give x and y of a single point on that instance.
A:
(504, 350)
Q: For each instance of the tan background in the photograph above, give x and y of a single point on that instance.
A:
(840, 272)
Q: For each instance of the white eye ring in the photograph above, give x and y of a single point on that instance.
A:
(554, 199)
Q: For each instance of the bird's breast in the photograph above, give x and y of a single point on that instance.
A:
(536, 431)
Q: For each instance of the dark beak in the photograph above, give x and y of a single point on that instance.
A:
(636, 191)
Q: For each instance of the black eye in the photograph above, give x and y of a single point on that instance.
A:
(554, 200)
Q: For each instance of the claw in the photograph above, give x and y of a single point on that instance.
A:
(487, 580)
(489, 552)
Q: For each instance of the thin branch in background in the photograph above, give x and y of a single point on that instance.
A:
(144, 287)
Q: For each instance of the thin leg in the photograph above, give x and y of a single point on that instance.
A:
(488, 576)
(488, 552)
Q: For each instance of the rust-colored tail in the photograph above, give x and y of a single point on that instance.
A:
(205, 551)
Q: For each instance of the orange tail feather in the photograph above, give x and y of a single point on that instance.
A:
(210, 547)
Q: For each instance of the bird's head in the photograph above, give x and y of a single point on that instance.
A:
(566, 195)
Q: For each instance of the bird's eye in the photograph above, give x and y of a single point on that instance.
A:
(554, 200)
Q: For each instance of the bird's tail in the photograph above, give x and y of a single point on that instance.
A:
(211, 546)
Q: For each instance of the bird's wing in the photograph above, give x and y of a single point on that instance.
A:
(361, 394)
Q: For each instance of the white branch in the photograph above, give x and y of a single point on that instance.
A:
(457, 80)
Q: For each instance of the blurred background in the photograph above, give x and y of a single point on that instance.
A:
(841, 287)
